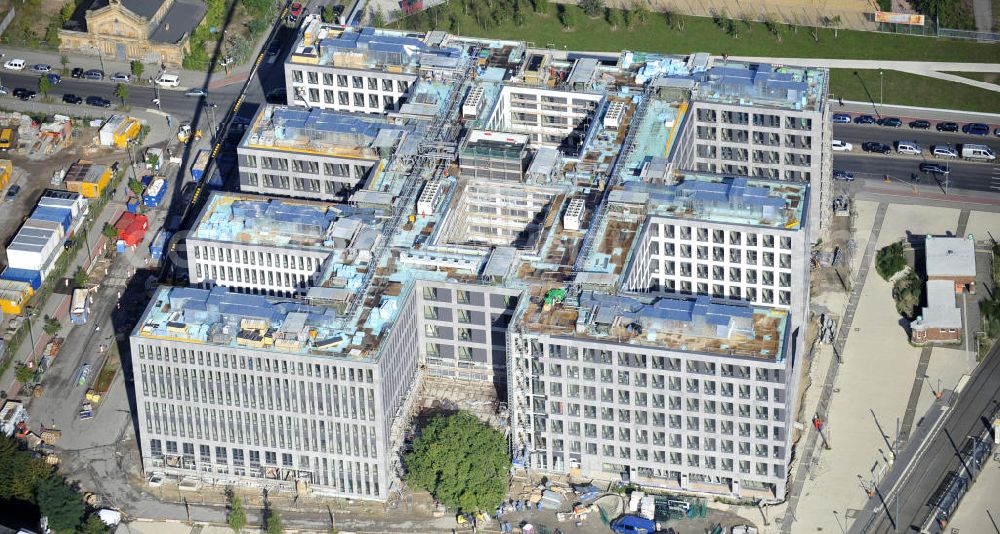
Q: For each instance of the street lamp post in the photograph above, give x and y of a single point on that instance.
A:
(880, 93)
(211, 114)
(31, 335)
(100, 56)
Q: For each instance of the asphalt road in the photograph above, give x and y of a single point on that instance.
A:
(964, 175)
(923, 473)
(859, 133)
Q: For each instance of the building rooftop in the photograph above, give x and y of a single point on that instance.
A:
(85, 171)
(758, 84)
(221, 318)
(691, 324)
(708, 197)
(323, 132)
(950, 256)
(941, 310)
(256, 220)
(371, 48)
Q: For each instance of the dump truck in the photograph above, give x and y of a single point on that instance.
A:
(199, 165)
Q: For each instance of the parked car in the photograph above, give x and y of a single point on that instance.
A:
(94, 74)
(944, 151)
(841, 146)
(875, 146)
(196, 92)
(12, 192)
(996, 132)
(934, 168)
(891, 122)
(3, 90)
(920, 124)
(843, 175)
(77, 72)
(98, 102)
(841, 118)
(14, 64)
(910, 148)
(976, 128)
(24, 94)
(295, 10)
(54, 78)
(864, 119)
(41, 67)
(121, 77)
(72, 99)
(156, 479)
(168, 80)
(946, 127)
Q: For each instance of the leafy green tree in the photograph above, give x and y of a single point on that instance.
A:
(52, 326)
(20, 473)
(614, 18)
(64, 61)
(566, 16)
(376, 18)
(237, 515)
(889, 260)
(66, 12)
(461, 461)
(80, 277)
(121, 91)
(274, 523)
(93, 525)
(137, 68)
(23, 373)
(44, 85)
(257, 7)
(109, 231)
(327, 14)
(541, 6)
(62, 504)
(592, 7)
(990, 310)
(135, 186)
(640, 11)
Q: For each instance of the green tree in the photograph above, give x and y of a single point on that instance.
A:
(64, 61)
(62, 504)
(44, 85)
(540, 6)
(614, 18)
(592, 7)
(66, 12)
(257, 7)
(121, 91)
(327, 14)
(93, 525)
(640, 11)
(23, 373)
(135, 186)
(566, 16)
(237, 517)
(889, 260)
(80, 277)
(216, 12)
(461, 461)
(52, 326)
(110, 231)
(137, 68)
(990, 310)
(274, 523)
(376, 18)
(20, 473)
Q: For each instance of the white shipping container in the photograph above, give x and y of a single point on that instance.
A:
(32, 248)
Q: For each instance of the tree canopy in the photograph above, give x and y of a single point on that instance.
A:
(19, 472)
(461, 461)
(60, 503)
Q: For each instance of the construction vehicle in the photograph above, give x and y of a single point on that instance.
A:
(184, 133)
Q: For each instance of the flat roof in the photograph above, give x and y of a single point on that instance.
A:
(220, 318)
(950, 256)
(282, 222)
(322, 132)
(719, 198)
(689, 324)
(760, 84)
(941, 310)
(372, 48)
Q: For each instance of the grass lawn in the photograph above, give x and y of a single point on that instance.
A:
(990, 77)
(698, 35)
(912, 90)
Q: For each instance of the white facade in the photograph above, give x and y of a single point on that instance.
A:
(550, 117)
(346, 89)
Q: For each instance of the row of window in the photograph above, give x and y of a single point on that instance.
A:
(736, 292)
(758, 119)
(343, 170)
(246, 277)
(350, 477)
(256, 257)
(222, 360)
(258, 392)
(642, 454)
(349, 99)
(743, 239)
(266, 430)
(370, 83)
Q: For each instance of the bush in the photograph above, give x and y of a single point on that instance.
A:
(592, 7)
(566, 16)
(907, 293)
(23, 373)
(889, 260)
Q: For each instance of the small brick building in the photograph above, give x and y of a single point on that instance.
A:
(951, 269)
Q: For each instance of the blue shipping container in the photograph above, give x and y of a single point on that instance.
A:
(156, 248)
(154, 193)
(23, 275)
(63, 216)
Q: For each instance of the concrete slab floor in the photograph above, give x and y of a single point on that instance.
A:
(903, 220)
(982, 224)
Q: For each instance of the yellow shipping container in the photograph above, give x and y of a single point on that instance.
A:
(13, 296)
(6, 171)
(88, 178)
(126, 131)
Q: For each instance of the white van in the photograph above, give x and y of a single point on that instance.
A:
(168, 80)
(908, 147)
(14, 64)
(978, 152)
